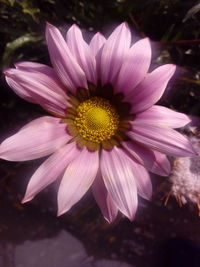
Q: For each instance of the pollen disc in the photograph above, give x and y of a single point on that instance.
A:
(96, 120)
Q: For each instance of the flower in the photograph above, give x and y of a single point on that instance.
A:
(106, 132)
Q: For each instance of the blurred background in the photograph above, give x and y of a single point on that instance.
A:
(163, 233)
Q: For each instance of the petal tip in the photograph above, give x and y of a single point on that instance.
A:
(60, 212)
(20, 63)
(7, 73)
(74, 26)
(49, 26)
(108, 220)
(124, 24)
(26, 199)
(122, 27)
(131, 217)
(2, 154)
(172, 67)
(149, 197)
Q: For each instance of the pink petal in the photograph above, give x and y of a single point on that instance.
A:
(161, 165)
(97, 42)
(96, 46)
(161, 116)
(41, 68)
(150, 90)
(63, 61)
(31, 67)
(38, 87)
(77, 179)
(119, 180)
(39, 138)
(38, 121)
(50, 170)
(135, 67)
(19, 90)
(82, 52)
(104, 200)
(142, 179)
(113, 53)
(140, 153)
(152, 160)
(163, 139)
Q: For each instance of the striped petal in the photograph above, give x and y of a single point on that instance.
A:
(82, 52)
(162, 139)
(103, 199)
(161, 165)
(151, 159)
(39, 138)
(20, 90)
(40, 87)
(135, 67)
(50, 170)
(96, 43)
(119, 180)
(65, 64)
(142, 179)
(96, 46)
(77, 179)
(161, 116)
(150, 90)
(114, 52)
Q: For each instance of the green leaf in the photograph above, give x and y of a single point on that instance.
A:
(11, 47)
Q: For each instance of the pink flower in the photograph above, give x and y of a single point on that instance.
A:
(106, 132)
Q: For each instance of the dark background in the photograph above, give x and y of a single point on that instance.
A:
(31, 235)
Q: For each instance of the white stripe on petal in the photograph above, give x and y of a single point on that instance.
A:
(103, 199)
(82, 52)
(97, 42)
(119, 180)
(150, 90)
(161, 165)
(96, 45)
(20, 90)
(142, 179)
(66, 66)
(39, 138)
(43, 89)
(162, 139)
(161, 116)
(153, 160)
(113, 53)
(77, 179)
(50, 170)
(30, 66)
(134, 67)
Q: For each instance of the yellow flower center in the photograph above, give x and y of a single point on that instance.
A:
(96, 120)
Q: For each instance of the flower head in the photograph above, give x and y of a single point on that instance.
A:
(107, 132)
